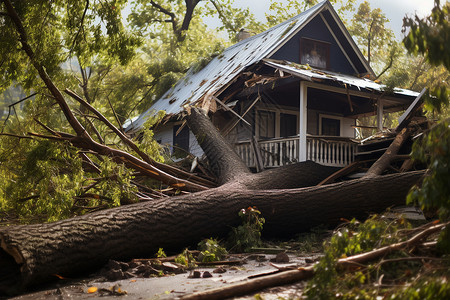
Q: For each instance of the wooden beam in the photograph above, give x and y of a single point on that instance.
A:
(230, 110)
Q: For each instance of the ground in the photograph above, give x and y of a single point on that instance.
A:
(175, 286)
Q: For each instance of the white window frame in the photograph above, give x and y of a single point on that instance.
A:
(341, 122)
(277, 112)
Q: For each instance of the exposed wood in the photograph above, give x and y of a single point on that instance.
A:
(342, 172)
(366, 127)
(253, 285)
(258, 155)
(349, 99)
(163, 167)
(407, 165)
(404, 119)
(228, 130)
(389, 155)
(299, 274)
(230, 110)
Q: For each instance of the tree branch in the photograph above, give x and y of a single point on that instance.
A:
(83, 139)
(79, 129)
(173, 18)
(80, 26)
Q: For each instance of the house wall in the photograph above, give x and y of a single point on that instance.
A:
(317, 30)
(164, 136)
(314, 123)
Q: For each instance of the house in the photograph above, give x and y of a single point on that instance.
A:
(296, 90)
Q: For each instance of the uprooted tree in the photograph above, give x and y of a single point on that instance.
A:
(287, 197)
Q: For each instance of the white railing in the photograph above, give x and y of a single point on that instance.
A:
(329, 151)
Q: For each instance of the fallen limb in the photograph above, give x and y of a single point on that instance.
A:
(390, 154)
(287, 277)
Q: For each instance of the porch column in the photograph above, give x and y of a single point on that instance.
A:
(303, 121)
(380, 114)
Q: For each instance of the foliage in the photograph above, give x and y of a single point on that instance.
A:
(434, 193)
(211, 250)
(360, 281)
(186, 259)
(281, 11)
(161, 253)
(44, 187)
(59, 31)
(247, 235)
(377, 42)
(430, 36)
(51, 183)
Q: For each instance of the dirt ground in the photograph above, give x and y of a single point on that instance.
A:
(176, 286)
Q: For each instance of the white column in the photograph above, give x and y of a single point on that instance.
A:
(303, 122)
(380, 114)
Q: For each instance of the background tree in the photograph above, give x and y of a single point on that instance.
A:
(377, 42)
(281, 11)
(430, 36)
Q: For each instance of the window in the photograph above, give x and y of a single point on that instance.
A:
(266, 124)
(314, 53)
(180, 141)
(288, 125)
(331, 127)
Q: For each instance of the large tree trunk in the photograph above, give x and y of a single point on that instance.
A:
(32, 254)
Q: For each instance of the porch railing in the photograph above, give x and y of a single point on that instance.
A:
(329, 151)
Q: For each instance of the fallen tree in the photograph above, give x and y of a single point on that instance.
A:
(32, 254)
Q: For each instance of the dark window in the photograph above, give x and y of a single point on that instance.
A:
(288, 125)
(331, 127)
(266, 124)
(315, 53)
(180, 141)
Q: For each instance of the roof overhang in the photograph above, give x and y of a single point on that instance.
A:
(358, 86)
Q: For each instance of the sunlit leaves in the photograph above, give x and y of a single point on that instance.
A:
(434, 149)
(377, 42)
(431, 35)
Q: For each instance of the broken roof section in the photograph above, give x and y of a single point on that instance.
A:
(221, 71)
(307, 73)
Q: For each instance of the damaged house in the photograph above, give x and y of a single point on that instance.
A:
(289, 94)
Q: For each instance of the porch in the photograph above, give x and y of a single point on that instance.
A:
(325, 150)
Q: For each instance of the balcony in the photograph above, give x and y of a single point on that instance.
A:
(325, 150)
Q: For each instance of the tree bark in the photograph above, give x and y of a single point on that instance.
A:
(224, 161)
(32, 254)
(390, 154)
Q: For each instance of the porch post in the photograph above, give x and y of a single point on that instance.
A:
(303, 122)
(380, 114)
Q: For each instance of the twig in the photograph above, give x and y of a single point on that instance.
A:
(14, 104)
(80, 27)
(47, 128)
(115, 115)
(17, 136)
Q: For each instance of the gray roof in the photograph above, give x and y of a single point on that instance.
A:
(311, 74)
(196, 87)
(225, 67)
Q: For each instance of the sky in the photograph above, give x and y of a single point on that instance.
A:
(394, 10)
